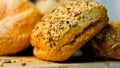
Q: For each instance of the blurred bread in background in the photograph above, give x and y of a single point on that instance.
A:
(107, 42)
(17, 19)
(45, 6)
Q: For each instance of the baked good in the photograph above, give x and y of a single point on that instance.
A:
(17, 19)
(107, 42)
(64, 30)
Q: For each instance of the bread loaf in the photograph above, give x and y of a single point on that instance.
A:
(64, 30)
(17, 19)
(107, 42)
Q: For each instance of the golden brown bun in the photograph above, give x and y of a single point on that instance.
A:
(17, 19)
(64, 30)
(107, 42)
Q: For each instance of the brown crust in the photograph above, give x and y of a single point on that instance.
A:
(16, 23)
(64, 30)
(107, 42)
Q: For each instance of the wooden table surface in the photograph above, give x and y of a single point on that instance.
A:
(33, 62)
(26, 59)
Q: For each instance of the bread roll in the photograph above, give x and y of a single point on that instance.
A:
(17, 19)
(64, 30)
(107, 42)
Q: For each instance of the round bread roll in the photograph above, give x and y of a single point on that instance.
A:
(17, 19)
(64, 30)
(107, 42)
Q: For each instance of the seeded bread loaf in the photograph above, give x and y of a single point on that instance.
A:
(64, 30)
(107, 42)
(17, 19)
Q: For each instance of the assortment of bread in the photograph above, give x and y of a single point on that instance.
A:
(17, 19)
(64, 28)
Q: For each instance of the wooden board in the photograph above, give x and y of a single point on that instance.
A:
(33, 62)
